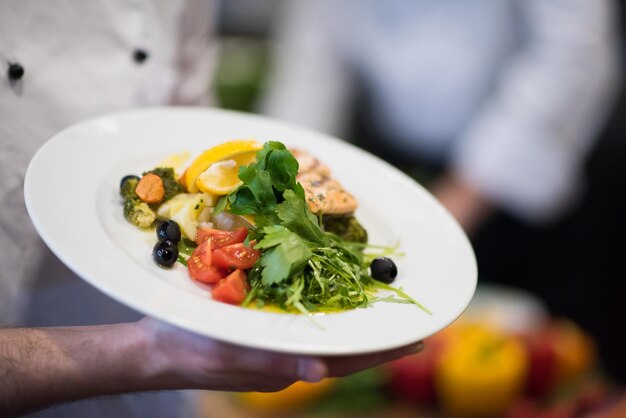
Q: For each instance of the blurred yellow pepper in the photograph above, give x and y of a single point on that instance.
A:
(297, 396)
(480, 372)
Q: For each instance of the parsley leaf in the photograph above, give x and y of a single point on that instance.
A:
(295, 215)
(286, 254)
(264, 183)
(280, 164)
(255, 196)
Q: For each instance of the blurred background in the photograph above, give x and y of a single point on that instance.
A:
(512, 114)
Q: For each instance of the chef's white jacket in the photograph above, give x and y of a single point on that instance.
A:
(80, 59)
(509, 93)
(62, 61)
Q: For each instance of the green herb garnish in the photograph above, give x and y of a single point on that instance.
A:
(302, 267)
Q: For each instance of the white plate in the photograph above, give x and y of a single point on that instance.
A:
(71, 192)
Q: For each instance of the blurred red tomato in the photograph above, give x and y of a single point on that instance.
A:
(541, 377)
(412, 378)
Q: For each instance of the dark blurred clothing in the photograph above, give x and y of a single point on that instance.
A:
(577, 265)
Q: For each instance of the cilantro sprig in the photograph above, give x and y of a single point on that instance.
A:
(301, 267)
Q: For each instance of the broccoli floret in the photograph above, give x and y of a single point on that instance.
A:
(135, 211)
(172, 187)
(138, 213)
(346, 227)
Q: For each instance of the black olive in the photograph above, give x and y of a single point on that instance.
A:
(384, 269)
(168, 230)
(126, 178)
(165, 253)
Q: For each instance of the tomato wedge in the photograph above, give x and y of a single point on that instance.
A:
(238, 256)
(232, 289)
(221, 238)
(201, 267)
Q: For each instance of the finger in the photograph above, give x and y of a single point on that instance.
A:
(343, 366)
(310, 369)
(244, 382)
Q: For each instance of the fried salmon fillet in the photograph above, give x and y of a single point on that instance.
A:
(323, 193)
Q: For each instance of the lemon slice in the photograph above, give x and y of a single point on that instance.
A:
(241, 151)
(220, 178)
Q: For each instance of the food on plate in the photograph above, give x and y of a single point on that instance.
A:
(165, 253)
(345, 227)
(263, 226)
(141, 194)
(232, 289)
(188, 210)
(150, 188)
(384, 269)
(136, 211)
(241, 152)
(323, 193)
(168, 230)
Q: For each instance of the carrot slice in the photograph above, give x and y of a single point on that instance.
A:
(150, 188)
